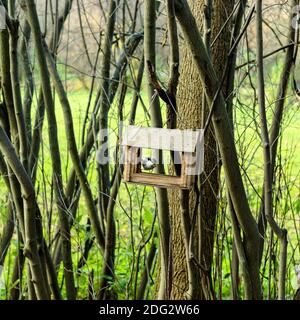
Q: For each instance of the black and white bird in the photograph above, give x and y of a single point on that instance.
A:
(148, 163)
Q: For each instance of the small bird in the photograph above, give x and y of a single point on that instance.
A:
(149, 163)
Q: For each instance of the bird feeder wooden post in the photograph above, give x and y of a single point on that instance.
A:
(188, 143)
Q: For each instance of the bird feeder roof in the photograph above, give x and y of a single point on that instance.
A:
(163, 139)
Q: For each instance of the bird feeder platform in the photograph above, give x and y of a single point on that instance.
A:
(188, 144)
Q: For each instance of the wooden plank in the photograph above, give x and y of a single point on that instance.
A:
(163, 139)
(127, 168)
(131, 165)
(158, 180)
(187, 175)
(159, 185)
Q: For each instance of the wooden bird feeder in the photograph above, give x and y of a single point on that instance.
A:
(188, 144)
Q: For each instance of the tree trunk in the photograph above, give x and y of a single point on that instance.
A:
(156, 121)
(191, 114)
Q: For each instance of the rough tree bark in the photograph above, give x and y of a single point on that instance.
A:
(191, 114)
(226, 143)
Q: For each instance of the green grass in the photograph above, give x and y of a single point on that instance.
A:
(135, 213)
